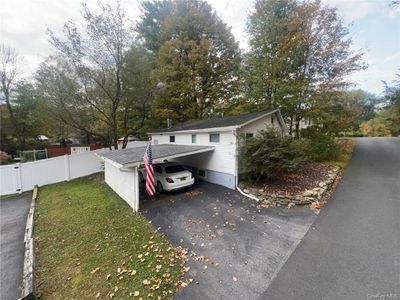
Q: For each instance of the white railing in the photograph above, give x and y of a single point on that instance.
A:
(21, 177)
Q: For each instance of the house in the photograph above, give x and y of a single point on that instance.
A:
(207, 147)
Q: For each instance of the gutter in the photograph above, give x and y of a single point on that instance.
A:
(247, 195)
(237, 173)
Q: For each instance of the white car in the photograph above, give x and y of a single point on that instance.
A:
(169, 176)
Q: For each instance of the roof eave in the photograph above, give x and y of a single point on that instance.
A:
(258, 118)
(212, 129)
(136, 164)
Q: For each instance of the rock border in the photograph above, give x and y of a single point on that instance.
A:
(28, 287)
(307, 197)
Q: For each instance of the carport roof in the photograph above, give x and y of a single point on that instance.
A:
(134, 156)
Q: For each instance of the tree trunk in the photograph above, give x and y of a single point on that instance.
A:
(11, 112)
(291, 126)
(298, 128)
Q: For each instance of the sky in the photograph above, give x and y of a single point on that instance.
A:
(374, 28)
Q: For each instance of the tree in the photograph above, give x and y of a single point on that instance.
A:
(151, 24)
(27, 112)
(94, 66)
(8, 75)
(341, 112)
(298, 50)
(64, 98)
(197, 60)
(137, 93)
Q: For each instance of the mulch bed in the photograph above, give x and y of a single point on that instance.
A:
(308, 177)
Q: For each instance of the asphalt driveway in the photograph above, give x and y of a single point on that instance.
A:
(13, 214)
(236, 249)
(353, 248)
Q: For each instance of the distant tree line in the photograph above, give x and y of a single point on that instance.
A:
(180, 61)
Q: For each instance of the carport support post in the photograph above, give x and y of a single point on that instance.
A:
(136, 178)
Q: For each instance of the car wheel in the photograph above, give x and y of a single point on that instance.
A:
(160, 187)
(141, 178)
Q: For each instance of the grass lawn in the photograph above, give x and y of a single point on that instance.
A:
(91, 245)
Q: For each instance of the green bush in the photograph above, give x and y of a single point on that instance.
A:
(321, 146)
(269, 155)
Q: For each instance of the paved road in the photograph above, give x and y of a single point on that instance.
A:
(353, 249)
(13, 214)
(245, 246)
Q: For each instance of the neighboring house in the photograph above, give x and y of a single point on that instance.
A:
(209, 148)
(304, 123)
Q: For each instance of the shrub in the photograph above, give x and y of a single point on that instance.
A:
(269, 155)
(4, 158)
(321, 146)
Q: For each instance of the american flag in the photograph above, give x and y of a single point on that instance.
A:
(148, 162)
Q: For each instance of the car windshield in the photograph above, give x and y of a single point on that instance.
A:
(174, 169)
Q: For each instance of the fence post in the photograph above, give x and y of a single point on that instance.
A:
(34, 155)
(66, 167)
(19, 177)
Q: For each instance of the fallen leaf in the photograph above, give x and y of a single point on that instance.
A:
(234, 279)
(133, 272)
(108, 276)
(146, 282)
(136, 293)
(94, 270)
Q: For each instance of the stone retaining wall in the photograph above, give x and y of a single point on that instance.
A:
(305, 198)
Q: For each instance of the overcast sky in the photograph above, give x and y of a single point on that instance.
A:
(376, 30)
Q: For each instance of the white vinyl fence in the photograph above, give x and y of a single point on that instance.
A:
(21, 177)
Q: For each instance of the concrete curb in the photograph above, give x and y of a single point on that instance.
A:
(28, 287)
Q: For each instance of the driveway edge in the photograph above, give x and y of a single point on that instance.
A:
(28, 286)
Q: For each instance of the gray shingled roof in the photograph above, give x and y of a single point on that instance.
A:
(216, 122)
(135, 155)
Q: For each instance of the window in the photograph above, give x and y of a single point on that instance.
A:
(214, 137)
(272, 120)
(172, 139)
(202, 173)
(174, 169)
(194, 139)
(157, 169)
(249, 135)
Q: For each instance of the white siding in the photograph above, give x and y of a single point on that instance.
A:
(261, 124)
(222, 159)
(124, 183)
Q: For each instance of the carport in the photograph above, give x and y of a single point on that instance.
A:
(121, 166)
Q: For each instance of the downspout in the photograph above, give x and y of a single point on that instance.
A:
(237, 171)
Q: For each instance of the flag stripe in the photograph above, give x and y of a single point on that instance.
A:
(148, 162)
